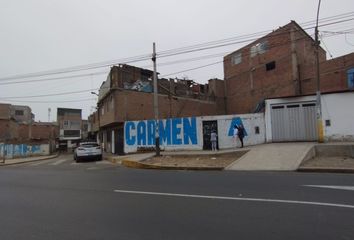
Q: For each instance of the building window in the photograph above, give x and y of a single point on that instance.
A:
(328, 123)
(236, 58)
(256, 130)
(19, 112)
(259, 48)
(270, 66)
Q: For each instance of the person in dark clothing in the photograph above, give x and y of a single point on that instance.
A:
(241, 134)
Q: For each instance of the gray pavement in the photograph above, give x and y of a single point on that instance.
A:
(74, 201)
(273, 157)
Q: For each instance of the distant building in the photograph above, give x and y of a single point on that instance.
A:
(85, 129)
(21, 114)
(70, 124)
(17, 125)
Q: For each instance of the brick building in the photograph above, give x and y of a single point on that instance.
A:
(127, 95)
(17, 125)
(70, 127)
(280, 64)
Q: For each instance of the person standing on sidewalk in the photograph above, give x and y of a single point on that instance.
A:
(213, 140)
(241, 134)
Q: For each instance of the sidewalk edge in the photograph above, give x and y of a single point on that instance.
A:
(325, 170)
(33, 160)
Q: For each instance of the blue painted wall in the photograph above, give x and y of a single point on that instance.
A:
(19, 150)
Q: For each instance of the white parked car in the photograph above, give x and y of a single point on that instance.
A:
(88, 150)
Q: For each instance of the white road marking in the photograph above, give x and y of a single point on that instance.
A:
(59, 161)
(350, 188)
(237, 198)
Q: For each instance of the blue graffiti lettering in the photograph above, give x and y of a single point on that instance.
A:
(190, 130)
(176, 131)
(130, 140)
(165, 132)
(35, 149)
(141, 133)
(235, 121)
(151, 132)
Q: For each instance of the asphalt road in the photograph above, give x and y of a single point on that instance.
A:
(59, 199)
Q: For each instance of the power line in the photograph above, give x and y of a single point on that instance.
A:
(54, 94)
(324, 44)
(53, 101)
(190, 69)
(78, 68)
(167, 53)
(179, 61)
(349, 14)
(56, 78)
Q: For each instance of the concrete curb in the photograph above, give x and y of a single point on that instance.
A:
(140, 165)
(112, 160)
(33, 160)
(325, 170)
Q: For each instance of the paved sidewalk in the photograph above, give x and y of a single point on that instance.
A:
(273, 157)
(25, 160)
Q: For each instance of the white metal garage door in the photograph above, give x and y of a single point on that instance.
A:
(294, 122)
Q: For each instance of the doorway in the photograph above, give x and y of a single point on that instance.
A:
(208, 128)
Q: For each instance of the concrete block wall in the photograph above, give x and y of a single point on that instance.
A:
(337, 111)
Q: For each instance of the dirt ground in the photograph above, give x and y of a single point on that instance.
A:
(210, 160)
(330, 162)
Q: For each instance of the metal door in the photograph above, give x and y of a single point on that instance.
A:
(208, 127)
(294, 122)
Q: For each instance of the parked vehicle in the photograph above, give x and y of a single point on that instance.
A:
(87, 151)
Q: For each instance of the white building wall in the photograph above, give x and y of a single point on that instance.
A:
(225, 140)
(339, 109)
(249, 121)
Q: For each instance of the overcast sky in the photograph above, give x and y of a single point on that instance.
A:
(46, 35)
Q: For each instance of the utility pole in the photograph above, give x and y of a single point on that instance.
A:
(49, 110)
(318, 92)
(156, 103)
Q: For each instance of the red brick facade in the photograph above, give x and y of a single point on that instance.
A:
(283, 65)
